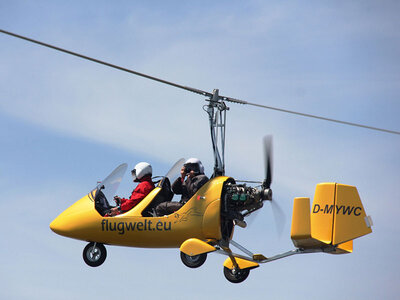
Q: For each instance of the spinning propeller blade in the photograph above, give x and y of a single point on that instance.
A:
(267, 161)
(279, 215)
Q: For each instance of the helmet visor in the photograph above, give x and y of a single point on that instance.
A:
(192, 167)
(133, 172)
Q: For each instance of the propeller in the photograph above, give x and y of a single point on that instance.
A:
(279, 215)
(267, 161)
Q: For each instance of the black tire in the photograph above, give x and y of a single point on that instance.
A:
(94, 255)
(238, 276)
(193, 261)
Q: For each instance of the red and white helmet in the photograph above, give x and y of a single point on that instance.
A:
(141, 170)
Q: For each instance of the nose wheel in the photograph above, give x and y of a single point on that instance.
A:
(236, 275)
(94, 254)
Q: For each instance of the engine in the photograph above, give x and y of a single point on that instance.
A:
(241, 200)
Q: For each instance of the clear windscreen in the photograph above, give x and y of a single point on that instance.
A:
(174, 172)
(110, 184)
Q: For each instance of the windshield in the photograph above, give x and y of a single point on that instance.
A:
(174, 172)
(111, 183)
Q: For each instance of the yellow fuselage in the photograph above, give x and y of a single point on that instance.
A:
(198, 218)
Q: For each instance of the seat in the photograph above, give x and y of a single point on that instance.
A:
(165, 195)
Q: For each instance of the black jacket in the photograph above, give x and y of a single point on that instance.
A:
(189, 187)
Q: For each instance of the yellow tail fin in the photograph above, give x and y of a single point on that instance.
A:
(351, 220)
(337, 217)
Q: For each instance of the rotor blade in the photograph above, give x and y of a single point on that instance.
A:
(268, 160)
(309, 115)
(197, 91)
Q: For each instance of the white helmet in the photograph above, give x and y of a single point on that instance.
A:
(196, 161)
(140, 170)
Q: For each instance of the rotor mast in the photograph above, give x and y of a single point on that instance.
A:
(216, 110)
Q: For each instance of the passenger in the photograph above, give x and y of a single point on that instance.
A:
(141, 173)
(193, 171)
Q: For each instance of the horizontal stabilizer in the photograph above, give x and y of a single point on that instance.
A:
(344, 248)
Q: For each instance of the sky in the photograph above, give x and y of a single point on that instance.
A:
(66, 123)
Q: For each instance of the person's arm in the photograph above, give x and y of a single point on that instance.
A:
(177, 186)
(137, 195)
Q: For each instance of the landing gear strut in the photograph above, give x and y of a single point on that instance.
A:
(94, 254)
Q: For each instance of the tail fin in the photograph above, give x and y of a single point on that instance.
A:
(351, 220)
(337, 217)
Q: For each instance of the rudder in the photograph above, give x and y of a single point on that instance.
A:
(351, 220)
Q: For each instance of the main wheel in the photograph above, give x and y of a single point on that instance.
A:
(94, 254)
(194, 261)
(236, 275)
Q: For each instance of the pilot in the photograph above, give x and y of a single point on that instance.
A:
(191, 180)
(141, 173)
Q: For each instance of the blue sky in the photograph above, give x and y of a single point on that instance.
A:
(65, 123)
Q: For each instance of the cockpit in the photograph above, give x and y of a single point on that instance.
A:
(102, 195)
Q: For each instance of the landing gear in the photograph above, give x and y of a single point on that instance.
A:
(94, 254)
(193, 261)
(236, 275)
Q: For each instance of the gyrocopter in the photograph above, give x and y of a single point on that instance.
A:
(206, 223)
